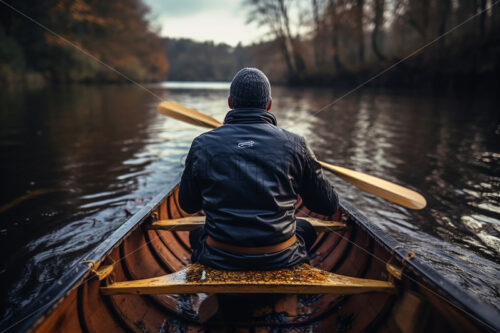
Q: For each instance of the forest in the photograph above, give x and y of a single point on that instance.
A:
(444, 44)
(431, 44)
(117, 32)
(428, 44)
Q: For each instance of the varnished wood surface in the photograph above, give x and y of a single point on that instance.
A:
(379, 187)
(301, 279)
(192, 222)
(147, 254)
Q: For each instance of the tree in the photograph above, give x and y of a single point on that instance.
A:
(377, 33)
(275, 15)
(318, 32)
(418, 16)
(359, 28)
(335, 17)
(444, 7)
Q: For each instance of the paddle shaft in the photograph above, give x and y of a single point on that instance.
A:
(377, 186)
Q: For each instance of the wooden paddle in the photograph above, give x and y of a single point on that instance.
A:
(377, 186)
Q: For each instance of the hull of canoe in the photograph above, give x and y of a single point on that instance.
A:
(137, 252)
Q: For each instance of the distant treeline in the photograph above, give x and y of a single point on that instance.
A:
(204, 61)
(116, 32)
(349, 41)
(207, 61)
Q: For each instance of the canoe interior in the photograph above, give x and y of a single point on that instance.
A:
(144, 253)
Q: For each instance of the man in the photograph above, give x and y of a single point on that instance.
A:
(247, 176)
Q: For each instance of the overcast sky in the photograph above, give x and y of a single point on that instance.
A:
(217, 20)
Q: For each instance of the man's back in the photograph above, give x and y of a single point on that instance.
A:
(247, 176)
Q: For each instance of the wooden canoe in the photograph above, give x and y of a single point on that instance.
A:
(424, 302)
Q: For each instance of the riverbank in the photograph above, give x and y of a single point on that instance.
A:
(473, 66)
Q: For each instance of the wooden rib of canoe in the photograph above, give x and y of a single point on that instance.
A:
(147, 254)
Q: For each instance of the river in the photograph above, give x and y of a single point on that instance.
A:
(87, 156)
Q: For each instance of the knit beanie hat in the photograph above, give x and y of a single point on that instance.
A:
(250, 88)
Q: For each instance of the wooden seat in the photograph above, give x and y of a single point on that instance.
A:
(192, 222)
(301, 279)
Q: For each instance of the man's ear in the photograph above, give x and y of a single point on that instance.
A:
(230, 103)
(270, 104)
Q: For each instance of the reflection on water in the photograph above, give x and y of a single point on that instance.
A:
(192, 85)
(103, 151)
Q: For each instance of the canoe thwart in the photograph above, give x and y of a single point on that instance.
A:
(192, 222)
(301, 279)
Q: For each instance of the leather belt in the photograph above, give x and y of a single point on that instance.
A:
(251, 250)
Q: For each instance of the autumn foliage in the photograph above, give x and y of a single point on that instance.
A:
(114, 32)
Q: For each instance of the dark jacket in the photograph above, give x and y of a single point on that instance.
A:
(247, 176)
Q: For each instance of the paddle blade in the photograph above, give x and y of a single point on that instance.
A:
(379, 187)
(182, 113)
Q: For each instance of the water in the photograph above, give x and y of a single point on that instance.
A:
(99, 152)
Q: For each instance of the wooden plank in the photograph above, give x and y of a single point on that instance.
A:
(64, 318)
(192, 222)
(301, 279)
(410, 313)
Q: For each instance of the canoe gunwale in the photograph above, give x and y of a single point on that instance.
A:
(73, 278)
(483, 313)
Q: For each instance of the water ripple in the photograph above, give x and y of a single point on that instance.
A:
(114, 159)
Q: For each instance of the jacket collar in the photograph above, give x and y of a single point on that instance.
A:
(249, 116)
